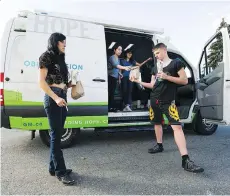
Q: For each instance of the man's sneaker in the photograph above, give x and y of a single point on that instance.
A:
(66, 179)
(68, 171)
(155, 149)
(127, 109)
(191, 167)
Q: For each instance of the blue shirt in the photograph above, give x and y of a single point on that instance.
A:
(124, 63)
(114, 62)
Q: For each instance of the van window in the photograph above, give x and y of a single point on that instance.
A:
(212, 56)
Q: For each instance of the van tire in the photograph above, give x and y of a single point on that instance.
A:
(202, 128)
(69, 137)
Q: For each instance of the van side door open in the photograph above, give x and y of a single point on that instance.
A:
(213, 89)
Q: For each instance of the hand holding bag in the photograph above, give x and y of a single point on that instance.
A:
(135, 73)
(77, 90)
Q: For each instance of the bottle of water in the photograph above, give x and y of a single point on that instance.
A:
(160, 69)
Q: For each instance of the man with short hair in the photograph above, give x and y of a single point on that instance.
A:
(165, 77)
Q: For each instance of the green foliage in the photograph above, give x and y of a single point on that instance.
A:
(216, 48)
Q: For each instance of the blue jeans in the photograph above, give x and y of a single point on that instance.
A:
(56, 117)
(127, 87)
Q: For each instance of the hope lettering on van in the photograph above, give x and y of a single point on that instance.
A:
(28, 63)
(69, 27)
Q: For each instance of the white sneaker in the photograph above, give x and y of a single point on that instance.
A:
(127, 109)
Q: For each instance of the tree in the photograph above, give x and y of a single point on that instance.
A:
(215, 54)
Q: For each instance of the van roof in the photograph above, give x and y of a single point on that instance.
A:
(106, 23)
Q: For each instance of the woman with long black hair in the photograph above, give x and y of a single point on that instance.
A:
(126, 84)
(114, 74)
(53, 80)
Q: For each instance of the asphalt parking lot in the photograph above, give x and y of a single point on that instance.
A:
(116, 163)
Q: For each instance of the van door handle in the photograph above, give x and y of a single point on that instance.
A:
(98, 80)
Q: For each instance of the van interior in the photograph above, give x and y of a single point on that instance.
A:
(141, 44)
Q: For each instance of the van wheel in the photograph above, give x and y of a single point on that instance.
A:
(203, 128)
(69, 137)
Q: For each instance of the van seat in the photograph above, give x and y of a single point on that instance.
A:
(185, 91)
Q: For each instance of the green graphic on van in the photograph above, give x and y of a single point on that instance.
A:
(71, 122)
(14, 98)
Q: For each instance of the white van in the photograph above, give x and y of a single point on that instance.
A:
(202, 103)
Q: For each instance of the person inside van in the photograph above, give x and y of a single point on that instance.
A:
(165, 78)
(114, 75)
(126, 84)
(53, 80)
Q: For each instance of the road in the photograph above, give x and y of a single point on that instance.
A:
(116, 163)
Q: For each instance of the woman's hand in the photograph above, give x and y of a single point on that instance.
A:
(121, 75)
(127, 68)
(60, 102)
(70, 85)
